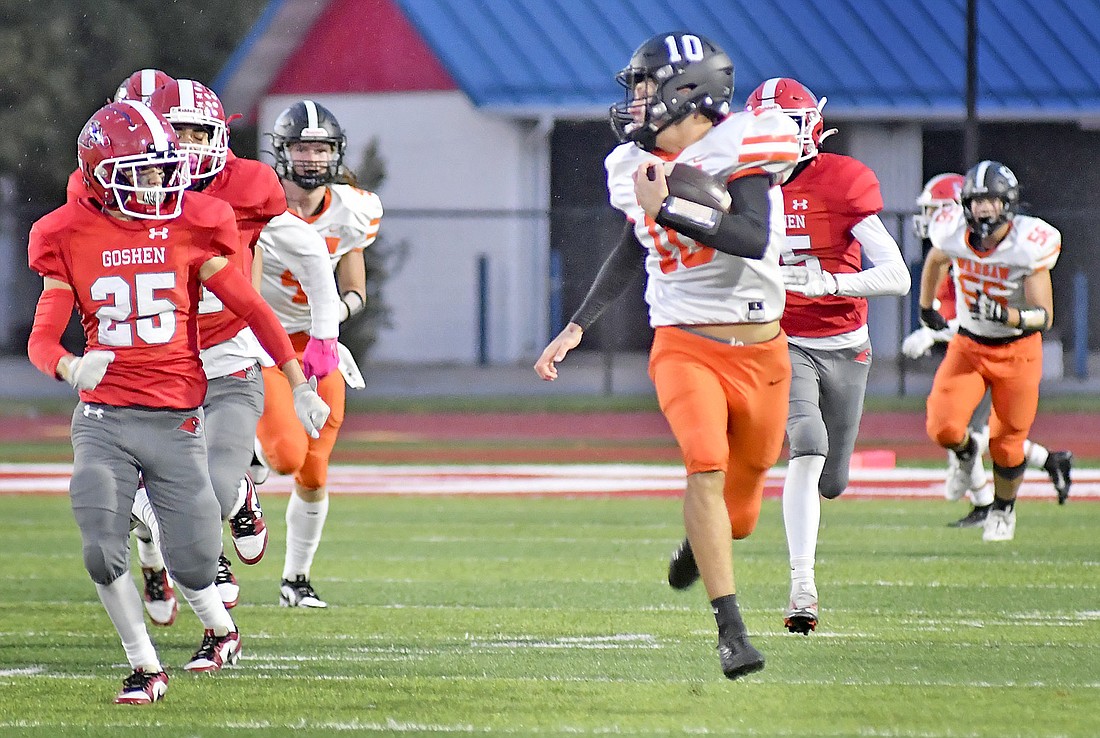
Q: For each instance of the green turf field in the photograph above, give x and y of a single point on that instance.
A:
(550, 617)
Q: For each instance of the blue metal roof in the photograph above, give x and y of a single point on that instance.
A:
(872, 58)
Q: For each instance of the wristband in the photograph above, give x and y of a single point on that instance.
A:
(1034, 318)
(351, 304)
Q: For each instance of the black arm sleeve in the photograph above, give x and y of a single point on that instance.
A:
(744, 230)
(621, 267)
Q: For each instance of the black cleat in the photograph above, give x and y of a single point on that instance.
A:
(1059, 465)
(682, 570)
(737, 656)
(974, 518)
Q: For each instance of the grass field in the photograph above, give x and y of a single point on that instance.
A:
(549, 616)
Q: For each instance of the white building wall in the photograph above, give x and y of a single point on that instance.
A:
(440, 154)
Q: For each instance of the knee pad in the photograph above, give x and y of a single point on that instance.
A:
(1011, 473)
(806, 436)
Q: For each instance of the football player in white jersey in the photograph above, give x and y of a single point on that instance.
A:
(1000, 262)
(309, 148)
(719, 359)
(942, 191)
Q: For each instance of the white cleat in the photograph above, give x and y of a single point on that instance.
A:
(247, 526)
(215, 652)
(801, 615)
(1000, 525)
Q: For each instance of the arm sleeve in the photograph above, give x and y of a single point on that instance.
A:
(622, 266)
(55, 307)
(744, 230)
(237, 294)
(889, 274)
(305, 254)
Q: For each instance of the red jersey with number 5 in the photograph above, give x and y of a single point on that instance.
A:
(822, 204)
(252, 189)
(136, 286)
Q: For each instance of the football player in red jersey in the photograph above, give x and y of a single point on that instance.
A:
(230, 354)
(132, 257)
(943, 191)
(719, 358)
(831, 204)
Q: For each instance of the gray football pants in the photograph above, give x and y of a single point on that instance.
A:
(233, 407)
(826, 405)
(111, 445)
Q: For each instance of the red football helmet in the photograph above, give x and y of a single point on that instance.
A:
(131, 161)
(943, 189)
(184, 102)
(794, 99)
(141, 84)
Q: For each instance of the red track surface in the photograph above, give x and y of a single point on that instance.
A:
(563, 437)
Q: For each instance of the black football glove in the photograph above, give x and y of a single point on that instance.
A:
(932, 318)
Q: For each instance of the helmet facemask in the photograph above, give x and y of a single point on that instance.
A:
(989, 180)
(204, 161)
(125, 182)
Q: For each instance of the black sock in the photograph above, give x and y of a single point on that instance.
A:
(967, 452)
(999, 504)
(727, 614)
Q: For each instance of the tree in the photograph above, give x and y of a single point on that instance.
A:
(62, 59)
(382, 258)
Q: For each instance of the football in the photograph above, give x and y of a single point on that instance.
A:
(693, 184)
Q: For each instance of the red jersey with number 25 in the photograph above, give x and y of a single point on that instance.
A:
(822, 205)
(136, 286)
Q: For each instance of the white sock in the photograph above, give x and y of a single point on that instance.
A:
(123, 604)
(983, 496)
(304, 523)
(209, 608)
(147, 531)
(1035, 454)
(802, 512)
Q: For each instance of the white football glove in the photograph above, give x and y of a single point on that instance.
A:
(808, 282)
(86, 372)
(310, 408)
(918, 343)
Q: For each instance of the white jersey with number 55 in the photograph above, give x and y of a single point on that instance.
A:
(1031, 244)
(692, 284)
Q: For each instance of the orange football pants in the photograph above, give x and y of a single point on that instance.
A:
(727, 407)
(287, 446)
(1011, 371)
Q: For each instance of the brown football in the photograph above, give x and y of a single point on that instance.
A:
(691, 183)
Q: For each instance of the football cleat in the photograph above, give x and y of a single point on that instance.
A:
(737, 656)
(228, 589)
(215, 652)
(1059, 465)
(966, 475)
(974, 518)
(801, 616)
(682, 569)
(298, 592)
(142, 688)
(159, 596)
(1000, 525)
(247, 526)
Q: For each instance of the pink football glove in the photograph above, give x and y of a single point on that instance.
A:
(320, 359)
